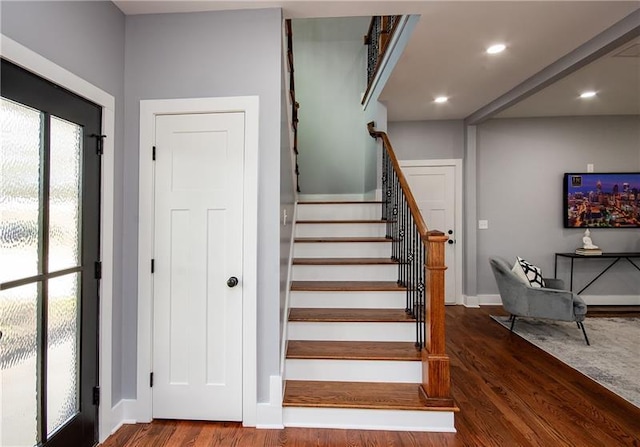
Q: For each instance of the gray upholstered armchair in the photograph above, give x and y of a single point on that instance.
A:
(522, 300)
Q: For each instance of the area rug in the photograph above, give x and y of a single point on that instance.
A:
(612, 360)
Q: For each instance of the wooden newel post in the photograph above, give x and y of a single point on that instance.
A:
(436, 379)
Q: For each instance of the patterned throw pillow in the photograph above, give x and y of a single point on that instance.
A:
(533, 273)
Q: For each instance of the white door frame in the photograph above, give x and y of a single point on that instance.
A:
(457, 164)
(149, 109)
(33, 62)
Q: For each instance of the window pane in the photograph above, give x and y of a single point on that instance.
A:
(62, 353)
(64, 194)
(18, 365)
(20, 144)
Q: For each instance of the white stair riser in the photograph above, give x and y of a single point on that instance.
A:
(347, 211)
(340, 230)
(348, 300)
(342, 250)
(363, 419)
(303, 330)
(354, 370)
(345, 273)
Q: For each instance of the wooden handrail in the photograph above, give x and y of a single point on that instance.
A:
(413, 206)
(436, 380)
(292, 95)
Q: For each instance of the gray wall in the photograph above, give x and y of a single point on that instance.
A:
(330, 77)
(427, 140)
(520, 163)
(86, 38)
(232, 53)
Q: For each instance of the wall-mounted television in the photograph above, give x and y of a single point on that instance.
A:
(602, 200)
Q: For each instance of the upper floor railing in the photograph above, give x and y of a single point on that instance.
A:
(381, 30)
(421, 269)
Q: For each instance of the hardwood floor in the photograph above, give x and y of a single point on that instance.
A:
(510, 394)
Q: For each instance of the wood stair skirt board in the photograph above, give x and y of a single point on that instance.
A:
(364, 405)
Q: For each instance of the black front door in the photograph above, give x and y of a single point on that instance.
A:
(49, 247)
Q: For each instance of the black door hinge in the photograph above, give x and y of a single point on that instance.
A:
(153, 156)
(96, 395)
(98, 270)
(151, 380)
(100, 139)
(153, 265)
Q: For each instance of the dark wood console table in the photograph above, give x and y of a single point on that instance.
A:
(615, 256)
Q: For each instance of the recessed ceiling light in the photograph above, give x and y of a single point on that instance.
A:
(495, 49)
(441, 99)
(589, 94)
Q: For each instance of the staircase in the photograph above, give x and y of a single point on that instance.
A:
(351, 360)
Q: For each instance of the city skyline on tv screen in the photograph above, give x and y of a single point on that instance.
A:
(610, 200)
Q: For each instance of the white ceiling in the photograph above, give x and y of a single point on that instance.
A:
(614, 77)
(445, 54)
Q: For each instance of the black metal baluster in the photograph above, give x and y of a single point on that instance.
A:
(396, 223)
(419, 309)
(421, 297)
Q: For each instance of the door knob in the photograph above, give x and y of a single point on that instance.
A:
(451, 241)
(232, 282)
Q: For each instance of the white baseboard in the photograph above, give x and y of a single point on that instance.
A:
(487, 300)
(287, 300)
(470, 301)
(332, 197)
(591, 300)
(612, 300)
(121, 414)
(269, 414)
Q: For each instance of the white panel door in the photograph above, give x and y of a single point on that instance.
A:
(434, 190)
(197, 326)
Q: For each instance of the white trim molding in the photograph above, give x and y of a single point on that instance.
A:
(35, 63)
(470, 301)
(458, 210)
(149, 109)
(269, 415)
(591, 300)
(122, 414)
(287, 300)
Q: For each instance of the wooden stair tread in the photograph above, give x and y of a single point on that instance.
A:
(342, 239)
(344, 261)
(352, 221)
(353, 350)
(350, 315)
(347, 286)
(337, 202)
(365, 395)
